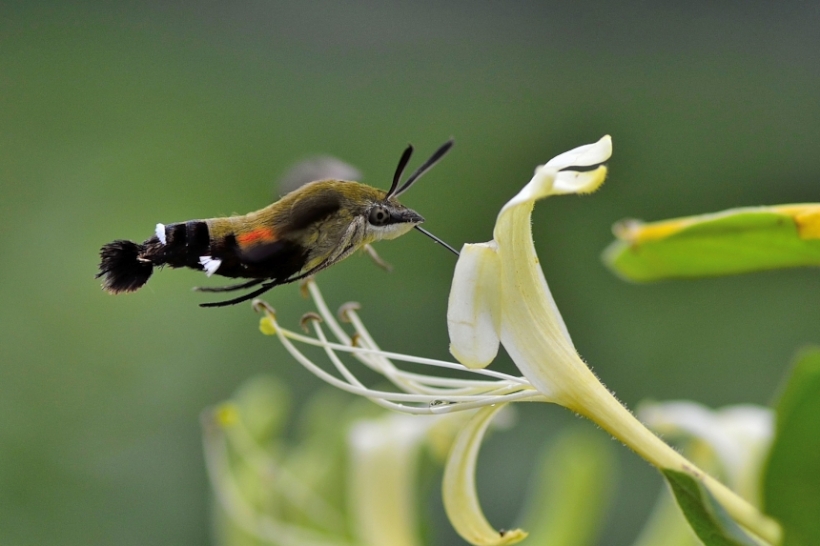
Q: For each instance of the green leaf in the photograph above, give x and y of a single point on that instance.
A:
(724, 243)
(706, 516)
(791, 483)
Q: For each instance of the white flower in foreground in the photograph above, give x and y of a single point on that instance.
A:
(738, 437)
(499, 295)
(384, 457)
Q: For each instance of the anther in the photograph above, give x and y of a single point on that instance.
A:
(346, 308)
(261, 306)
(308, 318)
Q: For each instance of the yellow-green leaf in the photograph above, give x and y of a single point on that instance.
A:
(724, 243)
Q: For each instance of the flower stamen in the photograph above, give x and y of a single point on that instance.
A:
(421, 393)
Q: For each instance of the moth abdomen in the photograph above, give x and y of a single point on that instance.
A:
(182, 244)
(125, 266)
(121, 267)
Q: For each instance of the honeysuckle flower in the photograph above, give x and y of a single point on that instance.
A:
(738, 437)
(262, 495)
(384, 456)
(499, 296)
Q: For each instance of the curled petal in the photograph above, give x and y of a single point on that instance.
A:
(459, 491)
(584, 156)
(473, 311)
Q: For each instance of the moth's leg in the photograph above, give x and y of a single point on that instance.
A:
(376, 258)
(250, 295)
(230, 287)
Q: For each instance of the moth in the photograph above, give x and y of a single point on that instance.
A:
(308, 230)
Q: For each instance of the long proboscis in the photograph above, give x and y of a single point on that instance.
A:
(437, 240)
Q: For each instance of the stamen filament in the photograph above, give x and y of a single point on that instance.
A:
(440, 400)
(307, 340)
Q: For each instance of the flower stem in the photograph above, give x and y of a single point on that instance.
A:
(600, 406)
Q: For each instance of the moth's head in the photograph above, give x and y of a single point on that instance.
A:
(337, 203)
(388, 219)
(381, 216)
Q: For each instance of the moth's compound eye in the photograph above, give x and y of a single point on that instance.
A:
(378, 216)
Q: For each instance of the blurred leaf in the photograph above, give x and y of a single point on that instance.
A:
(572, 491)
(724, 243)
(264, 402)
(706, 516)
(792, 478)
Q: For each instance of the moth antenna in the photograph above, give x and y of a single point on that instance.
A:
(436, 239)
(403, 160)
(122, 267)
(426, 166)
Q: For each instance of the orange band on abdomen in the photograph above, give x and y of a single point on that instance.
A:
(258, 235)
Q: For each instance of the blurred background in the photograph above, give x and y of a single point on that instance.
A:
(116, 116)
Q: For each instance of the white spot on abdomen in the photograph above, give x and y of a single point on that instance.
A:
(160, 231)
(210, 265)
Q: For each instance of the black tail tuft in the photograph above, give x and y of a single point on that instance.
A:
(121, 267)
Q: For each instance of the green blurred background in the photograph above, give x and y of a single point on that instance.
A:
(116, 116)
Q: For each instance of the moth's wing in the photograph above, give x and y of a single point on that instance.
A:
(258, 246)
(320, 167)
(260, 253)
(285, 243)
(349, 243)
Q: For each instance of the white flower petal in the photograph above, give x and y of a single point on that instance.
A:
(532, 329)
(473, 312)
(584, 156)
(383, 463)
(459, 492)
